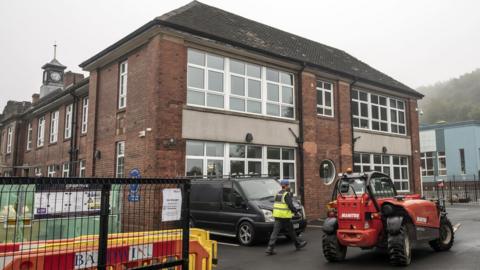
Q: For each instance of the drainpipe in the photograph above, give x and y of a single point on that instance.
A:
(73, 138)
(15, 147)
(300, 138)
(351, 115)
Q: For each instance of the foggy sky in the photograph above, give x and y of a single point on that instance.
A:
(417, 42)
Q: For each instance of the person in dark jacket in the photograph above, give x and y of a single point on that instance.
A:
(283, 211)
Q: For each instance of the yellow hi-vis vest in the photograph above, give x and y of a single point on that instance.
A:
(280, 208)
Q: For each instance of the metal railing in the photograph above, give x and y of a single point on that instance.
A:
(80, 223)
(458, 189)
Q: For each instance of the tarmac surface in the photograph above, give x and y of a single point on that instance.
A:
(465, 253)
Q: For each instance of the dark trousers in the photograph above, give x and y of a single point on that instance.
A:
(287, 225)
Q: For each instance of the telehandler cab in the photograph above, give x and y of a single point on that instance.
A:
(367, 212)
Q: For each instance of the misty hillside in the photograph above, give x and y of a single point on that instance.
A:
(452, 101)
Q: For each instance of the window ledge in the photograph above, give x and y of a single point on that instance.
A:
(233, 113)
(326, 117)
(381, 133)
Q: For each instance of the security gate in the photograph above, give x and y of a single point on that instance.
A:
(94, 223)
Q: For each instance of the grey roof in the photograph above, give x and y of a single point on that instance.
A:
(54, 63)
(443, 125)
(227, 26)
(216, 24)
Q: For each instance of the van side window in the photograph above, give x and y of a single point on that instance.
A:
(230, 192)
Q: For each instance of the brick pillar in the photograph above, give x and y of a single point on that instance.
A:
(344, 115)
(415, 141)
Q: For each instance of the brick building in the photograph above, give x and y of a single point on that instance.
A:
(200, 91)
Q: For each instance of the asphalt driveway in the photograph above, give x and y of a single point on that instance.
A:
(465, 253)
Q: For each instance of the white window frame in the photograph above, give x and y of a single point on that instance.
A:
(68, 121)
(322, 90)
(283, 161)
(120, 159)
(9, 139)
(29, 136)
(226, 159)
(54, 126)
(402, 166)
(391, 112)
(51, 171)
(442, 170)
(66, 169)
(246, 159)
(37, 171)
(82, 168)
(41, 131)
(84, 115)
(425, 157)
(245, 77)
(463, 165)
(122, 84)
(227, 92)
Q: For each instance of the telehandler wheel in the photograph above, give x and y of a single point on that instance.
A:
(399, 248)
(332, 249)
(447, 236)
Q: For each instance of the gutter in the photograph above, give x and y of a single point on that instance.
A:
(158, 22)
(73, 152)
(355, 80)
(300, 138)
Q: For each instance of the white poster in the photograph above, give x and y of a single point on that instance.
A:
(172, 204)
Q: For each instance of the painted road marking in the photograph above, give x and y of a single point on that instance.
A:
(456, 227)
(228, 244)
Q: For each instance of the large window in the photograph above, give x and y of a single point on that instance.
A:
(395, 166)
(324, 98)
(68, 121)
(463, 169)
(224, 83)
(379, 113)
(29, 136)
(122, 85)
(427, 159)
(120, 160)
(9, 139)
(84, 115)
(54, 126)
(442, 164)
(41, 131)
(214, 159)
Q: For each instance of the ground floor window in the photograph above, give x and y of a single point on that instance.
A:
(51, 171)
(216, 159)
(66, 169)
(426, 159)
(81, 172)
(120, 160)
(393, 165)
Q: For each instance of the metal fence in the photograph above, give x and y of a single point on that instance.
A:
(457, 189)
(94, 223)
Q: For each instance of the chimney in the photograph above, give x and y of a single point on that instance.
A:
(35, 98)
(70, 78)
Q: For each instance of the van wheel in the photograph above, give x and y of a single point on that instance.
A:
(399, 247)
(246, 233)
(447, 236)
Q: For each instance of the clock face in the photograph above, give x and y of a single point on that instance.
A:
(55, 76)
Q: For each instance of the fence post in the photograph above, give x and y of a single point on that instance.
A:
(451, 193)
(475, 187)
(186, 225)
(103, 227)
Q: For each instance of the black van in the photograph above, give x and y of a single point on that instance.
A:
(238, 207)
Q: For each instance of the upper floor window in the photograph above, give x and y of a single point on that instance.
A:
(68, 121)
(376, 112)
(54, 126)
(324, 98)
(9, 139)
(224, 83)
(29, 136)
(41, 131)
(84, 115)
(122, 85)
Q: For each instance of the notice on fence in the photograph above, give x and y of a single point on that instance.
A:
(172, 204)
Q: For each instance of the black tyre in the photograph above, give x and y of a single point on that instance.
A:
(399, 247)
(332, 249)
(246, 234)
(447, 236)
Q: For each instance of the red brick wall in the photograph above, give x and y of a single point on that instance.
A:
(415, 138)
(324, 138)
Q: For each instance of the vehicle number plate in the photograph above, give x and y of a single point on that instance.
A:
(296, 226)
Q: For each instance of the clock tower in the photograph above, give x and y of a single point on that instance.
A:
(52, 75)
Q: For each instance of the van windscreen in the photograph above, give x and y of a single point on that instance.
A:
(260, 189)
